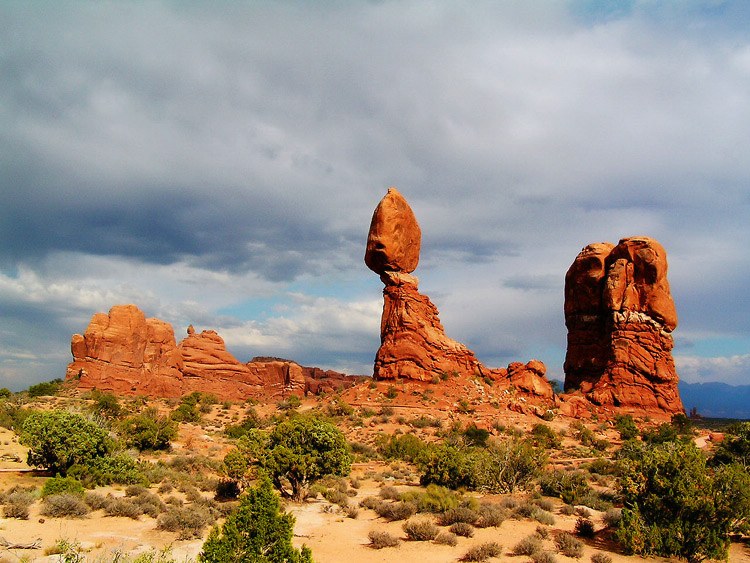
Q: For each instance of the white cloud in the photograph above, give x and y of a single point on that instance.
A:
(734, 370)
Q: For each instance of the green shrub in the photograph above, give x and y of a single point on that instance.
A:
(602, 466)
(251, 420)
(676, 505)
(663, 433)
(463, 529)
(148, 431)
(106, 405)
(433, 498)
(528, 546)
(448, 466)
(257, 531)
(406, 447)
(570, 486)
(507, 467)
(114, 469)
(188, 522)
(292, 402)
(362, 452)
(482, 552)
(379, 540)
(17, 504)
(59, 485)
(460, 514)
(338, 407)
(64, 506)
(186, 412)
(584, 528)
(500, 468)
(600, 558)
(569, 545)
(420, 530)
(425, 422)
(625, 425)
(123, 507)
(474, 436)
(45, 388)
(395, 510)
(303, 450)
(544, 437)
(735, 448)
(58, 440)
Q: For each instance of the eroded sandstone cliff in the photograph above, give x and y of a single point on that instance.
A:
(125, 353)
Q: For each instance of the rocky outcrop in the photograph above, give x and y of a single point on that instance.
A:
(413, 342)
(125, 353)
(620, 315)
(124, 350)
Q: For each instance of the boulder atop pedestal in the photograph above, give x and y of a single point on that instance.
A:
(413, 343)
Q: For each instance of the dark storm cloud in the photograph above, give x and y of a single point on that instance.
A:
(189, 156)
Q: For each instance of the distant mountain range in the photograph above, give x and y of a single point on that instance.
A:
(716, 400)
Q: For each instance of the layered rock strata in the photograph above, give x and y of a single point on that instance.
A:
(125, 353)
(620, 316)
(413, 342)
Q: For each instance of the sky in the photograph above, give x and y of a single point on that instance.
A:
(218, 163)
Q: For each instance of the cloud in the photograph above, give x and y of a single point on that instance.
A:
(734, 370)
(192, 158)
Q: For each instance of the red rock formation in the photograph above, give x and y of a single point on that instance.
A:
(123, 350)
(209, 368)
(394, 240)
(125, 353)
(413, 342)
(620, 315)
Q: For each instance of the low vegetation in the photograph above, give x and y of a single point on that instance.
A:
(657, 494)
(257, 531)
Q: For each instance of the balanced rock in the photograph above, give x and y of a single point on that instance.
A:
(394, 240)
(620, 315)
(413, 343)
